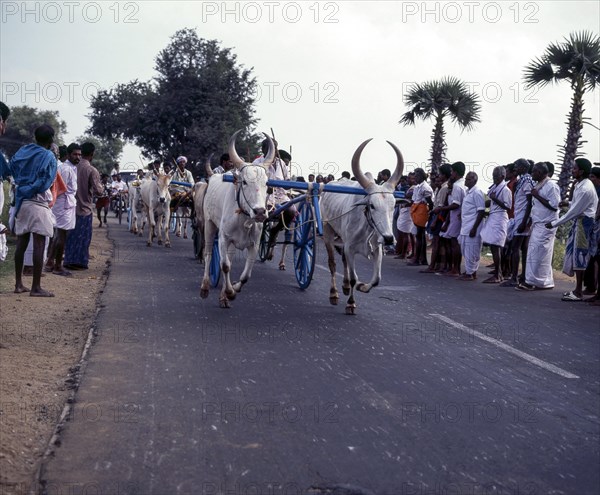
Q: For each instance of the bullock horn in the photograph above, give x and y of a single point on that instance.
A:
(270, 158)
(395, 178)
(360, 177)
(235, 158)
(207, 167)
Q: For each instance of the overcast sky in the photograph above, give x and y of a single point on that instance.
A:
(330, 74)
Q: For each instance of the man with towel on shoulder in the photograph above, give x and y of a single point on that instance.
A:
(33, 168)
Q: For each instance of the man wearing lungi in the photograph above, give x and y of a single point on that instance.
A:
(545, 199)
(33, 168)
(495, 228)
(582, 211)
(471, 214)
(77, 250)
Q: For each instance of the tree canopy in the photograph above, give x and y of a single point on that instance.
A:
(448, 97)
(21, 124)
(198, 98)
(575, 60)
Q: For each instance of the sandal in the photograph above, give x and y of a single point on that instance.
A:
(525, 287)
(571, 297)
(492, 280)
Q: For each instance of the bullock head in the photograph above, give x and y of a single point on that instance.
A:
(380, 202)
(162, 185)
(251, 181)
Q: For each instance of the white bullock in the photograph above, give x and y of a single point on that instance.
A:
(136, 207)
(362, 223)
(238, 211)
(156, 198)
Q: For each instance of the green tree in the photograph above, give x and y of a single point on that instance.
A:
(448, 97)
(198, 98)
(576, 60)
(22, 123)
(108, 151)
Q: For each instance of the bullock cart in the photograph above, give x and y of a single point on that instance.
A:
(308, 224)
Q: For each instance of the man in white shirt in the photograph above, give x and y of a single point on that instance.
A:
(64, 211)
(181, 196)
(277, 171)
(118, 184)
(495, 229)
(422, 195)
(471, 214)
(453, 222)
(225, 164)
(545, 198)
(582, 211)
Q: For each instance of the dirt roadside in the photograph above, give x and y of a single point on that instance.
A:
(41, 341)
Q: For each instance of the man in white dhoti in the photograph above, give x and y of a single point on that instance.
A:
(33, 168)
(545, 199)
(453, 222)
(582, 211)
(495, 229)
(471, 214)
(520, 229)
(64, 211)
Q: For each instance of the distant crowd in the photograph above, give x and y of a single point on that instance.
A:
(517, 218)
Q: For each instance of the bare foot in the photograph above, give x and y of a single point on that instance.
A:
(41, 293)
(452, 273)
(19, 289)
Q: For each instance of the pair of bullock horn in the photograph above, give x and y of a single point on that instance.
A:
(363, 180)
(237, 161)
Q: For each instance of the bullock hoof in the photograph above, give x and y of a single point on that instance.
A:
(333, 300)
(237, 287)
(177, 234)
(203, 293)
(148, 243)
(224, 303)
(167, 244)
(185, 236)
(159, 242)
(351, 309)
(363, 287)
(346, 291)
(282, 266)
(140, 234)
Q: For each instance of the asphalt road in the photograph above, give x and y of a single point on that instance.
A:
(435, 387)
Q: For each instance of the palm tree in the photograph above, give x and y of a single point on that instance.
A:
(577, 60)
(448, 97)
